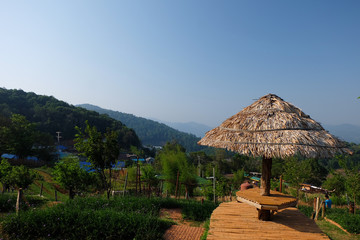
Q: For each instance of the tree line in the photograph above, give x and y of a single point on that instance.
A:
(50, 115)
(151, 132)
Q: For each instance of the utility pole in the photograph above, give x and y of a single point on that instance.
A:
(58, 137)
(214, 184)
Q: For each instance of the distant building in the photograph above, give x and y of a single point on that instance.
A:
(9, 156)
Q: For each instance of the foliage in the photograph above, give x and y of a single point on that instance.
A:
(351, 222)
(335, 181)
(100, 149)
(149, 175)
(277, 167)
(198, 212)
(238, 178)
(296, 172)
(352, 177)
(5, 170)
(8, 202)
(339, 200)
(69, 174)
(20, 137)
(151, 132)
(21, 177)
(307, 210)
(96, 218)
(51, 115)
(207, 227)
(318, 172)
(173, 159)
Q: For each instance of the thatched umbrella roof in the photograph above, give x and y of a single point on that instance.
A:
(271, 127)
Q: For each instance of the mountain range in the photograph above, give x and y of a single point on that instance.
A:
(149, 131)
(346, 132)
(198, 129)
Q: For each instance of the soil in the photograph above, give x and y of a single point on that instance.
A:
(183, 230)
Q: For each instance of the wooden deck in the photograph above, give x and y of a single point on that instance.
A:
(234, 220)
(275, 201)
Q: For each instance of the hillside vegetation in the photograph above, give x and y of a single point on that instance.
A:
(52, 115)
(151, 132)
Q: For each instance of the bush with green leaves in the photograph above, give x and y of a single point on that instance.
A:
(69, 174)
(89, 218)
(307, 210)
(97, 218)
(351, 222)
(8, 202)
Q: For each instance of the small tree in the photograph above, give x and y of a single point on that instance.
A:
(21, 177)
(296, 172)
(352, 184)
(69, 174)
(19, 136)
(100, 150)
(239, 177)
(149, 176)
(335, 181)
(352, 178)
(5, 170)
(173, 159)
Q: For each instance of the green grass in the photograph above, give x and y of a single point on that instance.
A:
(334, 232)
(351, 222)
(207, 227)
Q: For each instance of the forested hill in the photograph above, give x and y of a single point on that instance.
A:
(52, 115)
(151, 132)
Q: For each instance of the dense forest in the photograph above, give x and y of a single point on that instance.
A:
(151, 132)
(51, 115)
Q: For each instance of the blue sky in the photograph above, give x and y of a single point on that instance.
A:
(182, 61)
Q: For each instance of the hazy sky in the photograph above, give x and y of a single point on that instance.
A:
(187, 60)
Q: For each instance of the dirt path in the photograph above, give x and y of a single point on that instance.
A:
(184, 230)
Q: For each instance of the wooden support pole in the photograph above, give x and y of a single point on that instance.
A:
(318, 207)
(136, 177)
(214, 185)
(139, 178)
(323, 210)
(41, 189)
(265, 176)
(126, 179)
(264, 215)
(18, 200)
(179, 190)
(177, 183)
(281, 183)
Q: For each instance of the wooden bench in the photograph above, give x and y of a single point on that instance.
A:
(266, 205)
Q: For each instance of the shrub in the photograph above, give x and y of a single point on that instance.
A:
(98, 218)
(57, 223)
(89, 218)
(339, 201)
(8, 202)
(198, 212)
(351, 222)
(306, 210)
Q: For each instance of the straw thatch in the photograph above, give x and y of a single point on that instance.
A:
(271, 127)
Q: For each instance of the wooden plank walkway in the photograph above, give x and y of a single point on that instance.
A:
(234, 220)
